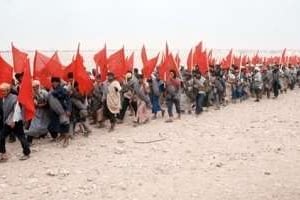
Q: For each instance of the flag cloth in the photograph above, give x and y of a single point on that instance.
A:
(129, 63)
(85, 83)
(144, 55)
(25, 96)
(6, 72)
(149, 67)
(190, 61)
(227, 62)
(101, 62)
(39, 63)
(19, 59)
(168, 65)
(116, 64)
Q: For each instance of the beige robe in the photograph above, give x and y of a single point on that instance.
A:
(114, 97)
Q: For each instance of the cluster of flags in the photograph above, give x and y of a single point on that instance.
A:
(45, 67)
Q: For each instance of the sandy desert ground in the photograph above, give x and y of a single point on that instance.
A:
(244, 151)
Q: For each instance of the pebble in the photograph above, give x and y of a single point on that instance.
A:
(52, 173)
(267, 173)
(219, 165)
(121, 141)
(89, 179)
(119, 150)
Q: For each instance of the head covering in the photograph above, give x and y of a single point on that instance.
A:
(257, 68)
(55, 79)
(36, 83)
(128, 75)
(110, 74)
(5, 86)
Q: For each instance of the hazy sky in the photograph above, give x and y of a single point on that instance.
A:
(61, 24)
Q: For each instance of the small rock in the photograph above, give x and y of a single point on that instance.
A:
(64, 172)
(89, 179)
(103, 145)
(52, 172)
(267, 173)
(121, 141)
(219, 165)
(64, 189)
(119, 150)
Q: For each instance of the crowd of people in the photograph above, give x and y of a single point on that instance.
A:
(63, 111)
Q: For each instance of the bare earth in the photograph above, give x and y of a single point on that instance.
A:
(245, 151)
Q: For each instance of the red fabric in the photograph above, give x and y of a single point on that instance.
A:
(53, 68)
(197, 54)
(19, 59)
(101, 61)
(244, 60)
(237, 61)
(6, 75)
(116, 64)
(149, 67)
(190, 61)
(25, 96)
(168, 64)
(227, 62)
(144, 55)
(68, 69)
(256, 59)
(85, 83)
(129, 63)
(40, 62)
(203, 63)
(294, 60)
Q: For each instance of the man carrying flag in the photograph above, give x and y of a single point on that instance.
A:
(11, 122)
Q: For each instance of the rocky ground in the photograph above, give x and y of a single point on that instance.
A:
(244, 151)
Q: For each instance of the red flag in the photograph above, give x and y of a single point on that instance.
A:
(25, 96)
(54, 67)
(6, 75)
(227, 62)
(149, 67)
(197, 54)
(129, 63)
(203, 63)
(40, 62)
(190, 61)
(70, 68)
(244, 60)
(116, 63)
(19, 59)
(168, 64)
(256, 59)
(144, 55)
(85, 83)
(101, 61)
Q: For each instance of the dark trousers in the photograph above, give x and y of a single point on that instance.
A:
(276, 88)
(199, 103)
(18, 131)
(170, 102)
(108, 115)
(126, 102)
